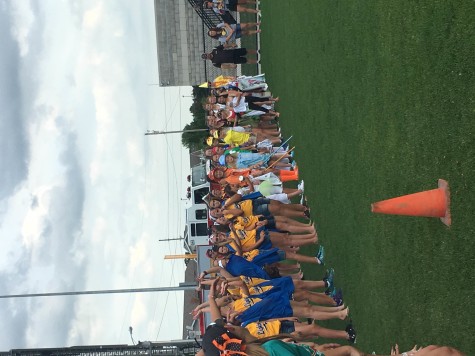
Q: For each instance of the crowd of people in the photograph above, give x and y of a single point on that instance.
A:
(259, 302)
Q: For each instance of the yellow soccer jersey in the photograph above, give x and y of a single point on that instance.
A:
(259, 290)
(261, 329)
(244, 303)
(245, 206)
(245, 223)
(247, 238)
(252, 281)
(251, 254)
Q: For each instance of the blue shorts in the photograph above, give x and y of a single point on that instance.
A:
(260, 206)
(282, 285)
(273, 306)
(267, 244)
(268, 257)
(287, 327)
(271, 223)
(285, 284)
(238, 31)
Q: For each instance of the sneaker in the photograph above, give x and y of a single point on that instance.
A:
(338, 301)
(329, 276)
(307, 213)
(321, 255)
(351, 333)
(331, 292)
(338, 297)
(301, 185)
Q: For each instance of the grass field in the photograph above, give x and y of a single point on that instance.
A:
(379, 96)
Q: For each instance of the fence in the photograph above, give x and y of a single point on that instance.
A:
(211, 19)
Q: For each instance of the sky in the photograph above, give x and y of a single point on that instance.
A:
(84, 195)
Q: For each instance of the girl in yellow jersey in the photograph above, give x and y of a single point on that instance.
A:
(251, 237)
(300, 331)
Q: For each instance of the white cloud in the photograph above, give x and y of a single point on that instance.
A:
(93, 17)
(96, 193)
(35, 220)
(22, 25)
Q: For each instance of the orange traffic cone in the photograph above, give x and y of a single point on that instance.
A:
(431, 203)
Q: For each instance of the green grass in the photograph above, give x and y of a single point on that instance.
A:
(379, 96)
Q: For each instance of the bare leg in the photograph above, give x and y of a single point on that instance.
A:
(301, 258)
(344, 351)
(309, 312)
(294, 276)
(295, 229)
(319, 298)
(296, 240)
(306, 285)
(247, 25)
(284, 266)
(286, 210)
(288, 221)
(240, 8)
(305, 331)
(250, 32)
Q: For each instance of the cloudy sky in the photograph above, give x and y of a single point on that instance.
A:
(84, 195)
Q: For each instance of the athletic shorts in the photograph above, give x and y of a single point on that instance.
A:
(239, 55)
(283, 284)
(268, 257)
(238, 31)
(232, 5)
(270, 223)
(274, 306)
(261, 207)
(267, 244)
(287, 327)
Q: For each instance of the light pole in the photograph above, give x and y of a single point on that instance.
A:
(106, 291)
(131, 337)
(142, 344)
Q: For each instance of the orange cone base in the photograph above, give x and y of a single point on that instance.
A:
(429, 203)
(444, 186)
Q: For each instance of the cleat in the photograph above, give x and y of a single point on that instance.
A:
(330, 275)
(331, 292)
(320, 256)
(338, 297)
(351, 333)
(307, 213)
(339, 302)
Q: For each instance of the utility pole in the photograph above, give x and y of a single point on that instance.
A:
(154, 132)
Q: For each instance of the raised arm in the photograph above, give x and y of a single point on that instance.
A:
(237, 241)
(234, 199)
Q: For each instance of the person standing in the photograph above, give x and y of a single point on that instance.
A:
(229, 58)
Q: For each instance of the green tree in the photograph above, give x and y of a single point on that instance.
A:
(194, 140)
